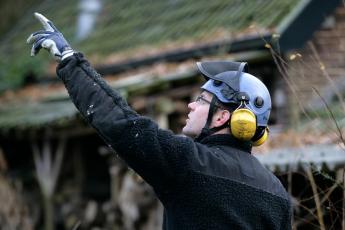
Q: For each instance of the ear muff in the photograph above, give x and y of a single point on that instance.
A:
(260, 137)
(243, 124)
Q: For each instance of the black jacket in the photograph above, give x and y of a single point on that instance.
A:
(212, 184)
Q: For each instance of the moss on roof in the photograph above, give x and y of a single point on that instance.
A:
(37, 106)
(37, 115)
(59, 110)
(126, 26)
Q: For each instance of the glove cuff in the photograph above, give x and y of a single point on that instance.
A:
(67, 53)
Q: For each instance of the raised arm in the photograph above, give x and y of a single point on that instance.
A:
(159, 156)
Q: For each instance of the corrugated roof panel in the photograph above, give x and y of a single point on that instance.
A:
(294, 159)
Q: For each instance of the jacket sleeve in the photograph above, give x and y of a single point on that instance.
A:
(159, 156)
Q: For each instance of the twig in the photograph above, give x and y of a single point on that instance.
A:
(322, 67)
(308, 220)
(311, 215)
(77, 225)
(280, 62)
(316, 198)
(289, 177)
(340, 134)
(343, 220)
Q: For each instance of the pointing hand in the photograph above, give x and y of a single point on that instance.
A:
(50, 39)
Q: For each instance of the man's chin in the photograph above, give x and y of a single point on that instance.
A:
(187, 132)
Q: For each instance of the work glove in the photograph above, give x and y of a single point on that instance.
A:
(50, 39)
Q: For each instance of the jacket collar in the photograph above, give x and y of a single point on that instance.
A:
(227, 140)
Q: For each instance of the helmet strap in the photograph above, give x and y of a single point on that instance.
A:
(211, 111)
(206, 130)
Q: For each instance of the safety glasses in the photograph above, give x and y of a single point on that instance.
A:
(202, 101)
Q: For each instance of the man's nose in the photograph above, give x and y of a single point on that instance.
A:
(191, 105)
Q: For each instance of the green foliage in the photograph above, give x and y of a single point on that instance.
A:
(13, 73)
(12, 10)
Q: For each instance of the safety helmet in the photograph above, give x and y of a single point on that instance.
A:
(231, 85)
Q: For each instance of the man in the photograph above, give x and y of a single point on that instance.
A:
(210, 182)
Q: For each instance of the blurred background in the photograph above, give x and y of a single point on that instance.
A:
(56, 173)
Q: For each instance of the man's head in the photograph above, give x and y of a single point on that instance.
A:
(229, 88)
(198, 113)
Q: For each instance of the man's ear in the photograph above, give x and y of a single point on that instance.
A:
(221, 117)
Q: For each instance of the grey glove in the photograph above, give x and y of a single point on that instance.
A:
(50, 39)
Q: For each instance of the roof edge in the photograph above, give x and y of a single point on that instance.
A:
(290, 18)
(244, 44)
(303, 21)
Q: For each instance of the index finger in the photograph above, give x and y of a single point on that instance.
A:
(45, 22)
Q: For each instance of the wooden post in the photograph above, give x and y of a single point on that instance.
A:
(163, 107)
(47, 172)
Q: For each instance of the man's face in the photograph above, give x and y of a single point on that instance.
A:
(198, 111)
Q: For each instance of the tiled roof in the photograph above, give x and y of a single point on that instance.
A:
(24, 116)
(130, 28)
(41, 105)
(152, 23)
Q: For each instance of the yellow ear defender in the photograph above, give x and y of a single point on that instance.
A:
(243, 126)
(261, 137)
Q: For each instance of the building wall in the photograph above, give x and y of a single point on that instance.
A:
(320, 66)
